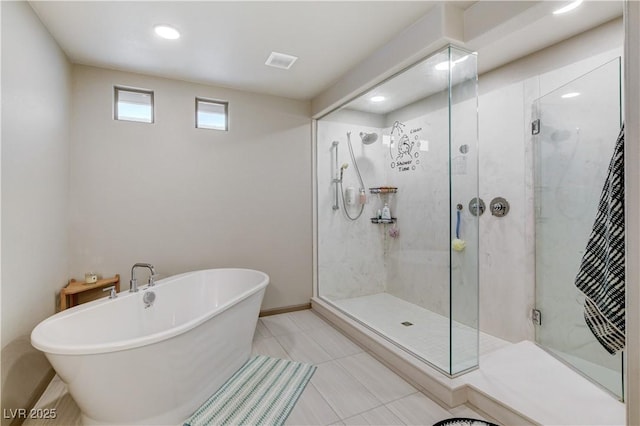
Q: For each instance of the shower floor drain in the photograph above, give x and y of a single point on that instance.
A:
(406, 323)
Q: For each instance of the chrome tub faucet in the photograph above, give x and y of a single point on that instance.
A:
(134, 282)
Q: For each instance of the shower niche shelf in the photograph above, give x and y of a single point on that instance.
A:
(383, 190)
(383, 194)
(384, 221)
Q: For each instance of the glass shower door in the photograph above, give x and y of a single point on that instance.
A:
(413, 151)
(577, 126)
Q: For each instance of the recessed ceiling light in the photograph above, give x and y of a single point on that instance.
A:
(568, 7)
(167, 31)
(570, 95)
(377, 98)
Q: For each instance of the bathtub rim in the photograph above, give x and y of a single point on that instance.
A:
(41, 342)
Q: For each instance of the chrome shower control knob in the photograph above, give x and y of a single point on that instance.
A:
(499, 207)
(476, 206)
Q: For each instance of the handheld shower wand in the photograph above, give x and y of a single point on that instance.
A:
(342, 168)
(367, 139)
(355, 166)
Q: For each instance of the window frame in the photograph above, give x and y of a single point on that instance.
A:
(116, 99)
(217, 102)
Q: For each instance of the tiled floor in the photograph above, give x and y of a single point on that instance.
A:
(525, 384)
(350, 387)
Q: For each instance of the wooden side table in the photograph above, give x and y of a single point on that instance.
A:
(77, 292)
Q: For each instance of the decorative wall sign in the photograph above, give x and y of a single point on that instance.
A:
(404, 148)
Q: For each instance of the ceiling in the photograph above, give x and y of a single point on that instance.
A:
(418, 82)
(226, 43)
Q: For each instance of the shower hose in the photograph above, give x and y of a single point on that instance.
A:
(355, 166)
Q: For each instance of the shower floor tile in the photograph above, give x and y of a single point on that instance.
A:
(427, 337)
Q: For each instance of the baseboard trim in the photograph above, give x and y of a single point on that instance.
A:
(37, 394)
(285, 309)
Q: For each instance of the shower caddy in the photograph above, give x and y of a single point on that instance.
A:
(384, 191)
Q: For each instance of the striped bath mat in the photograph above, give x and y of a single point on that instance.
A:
(262, 392)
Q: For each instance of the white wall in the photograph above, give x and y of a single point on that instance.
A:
(36, 96)
(632, 207)
(184, 198)
(83, 192)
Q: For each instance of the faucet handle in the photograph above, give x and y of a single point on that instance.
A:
(152, 279)
(112, 291)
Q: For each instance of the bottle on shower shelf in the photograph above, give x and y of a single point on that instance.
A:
(362, 198)
(386, 213)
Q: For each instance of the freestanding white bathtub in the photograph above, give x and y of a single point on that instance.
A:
(127, 364)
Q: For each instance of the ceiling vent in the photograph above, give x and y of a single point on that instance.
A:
(280, 60)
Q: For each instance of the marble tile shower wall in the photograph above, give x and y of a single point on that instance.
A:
(574, 156)
(506, 256)
(507, 244)
(464, 188)
(351, 260)
(360, 258)
(419, 261)
(351, 255)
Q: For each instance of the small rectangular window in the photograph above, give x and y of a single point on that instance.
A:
(212, 114)
(133, 105)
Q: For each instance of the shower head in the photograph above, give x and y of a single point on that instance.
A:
(368, 138)
(344, 166)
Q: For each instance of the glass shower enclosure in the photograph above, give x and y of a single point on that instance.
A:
(575, 130)
(397, 180)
